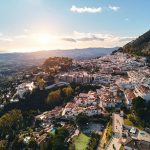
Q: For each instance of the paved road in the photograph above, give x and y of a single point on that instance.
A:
(114, 144)
(117, 124)
(102, 141)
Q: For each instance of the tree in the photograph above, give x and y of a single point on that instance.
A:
(3, 145)
(33, 144)
(53, 97)
(57, 144)
(141, 111)
(68, 91)
(93, 143)
(18, 144)
(10, 122)
(131, 118)
(57, 140)
(82, 119)
(138, 102)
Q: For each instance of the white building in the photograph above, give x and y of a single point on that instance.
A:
(142, 91)
(23, 88)
(129, 96)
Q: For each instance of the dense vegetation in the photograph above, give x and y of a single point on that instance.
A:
(139, 47)
(139, 114)
(19, 144)
(57, 139)
(17, 117)
(44, 100)
(141, 111)
(54, 64)
(94, 141)
(109, 132)
(10, 122)
(82, 119)
(15, 122)
(57, 97)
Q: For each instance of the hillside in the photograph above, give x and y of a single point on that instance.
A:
(54, 64)
(139, 46)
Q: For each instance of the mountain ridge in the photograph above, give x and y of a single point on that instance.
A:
(40, 56)
(139, 46)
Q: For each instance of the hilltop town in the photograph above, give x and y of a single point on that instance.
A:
(104, 99)
(74, 75)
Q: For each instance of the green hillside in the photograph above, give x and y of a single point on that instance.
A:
(139, 46)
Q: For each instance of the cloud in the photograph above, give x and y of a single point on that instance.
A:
(26, 30)
(5, 39)
(114, 8)
(93, 9)
(11, 38)
(85, 9)
(69, 39)
(83, 37)
(98, 38)
(23, 36)
(93, 38)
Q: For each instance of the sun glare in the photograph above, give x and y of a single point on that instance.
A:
(44, 38)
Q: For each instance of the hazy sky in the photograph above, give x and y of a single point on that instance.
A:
(27, 25)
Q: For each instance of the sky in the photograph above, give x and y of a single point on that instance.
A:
(31, 25)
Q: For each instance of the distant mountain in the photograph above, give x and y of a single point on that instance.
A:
(39, 57)
(140, 46)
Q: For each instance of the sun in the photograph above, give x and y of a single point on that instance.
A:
(43, 38)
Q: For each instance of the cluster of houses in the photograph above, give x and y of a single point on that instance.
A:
(86, 103)
(47, 116)
(21, 89)
(109, 97)
(41, 133)
(118, 63)
(76, 77)
(128, 73)
(121, 77)
(143, 91)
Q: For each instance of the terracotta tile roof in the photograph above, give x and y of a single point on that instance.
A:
(143, 89)
(130, 94)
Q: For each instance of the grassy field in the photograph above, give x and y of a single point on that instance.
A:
(121, 148)
(130, 123)
(109, 132)
(81, 141)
